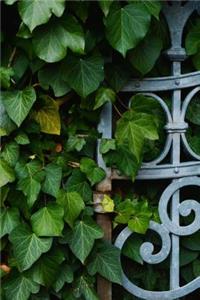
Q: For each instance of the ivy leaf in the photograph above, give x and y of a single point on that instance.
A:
(105, 261)
(107, 204)
(77, 182)
(104, 95)
(83, 236)
(139, 223)
(19, 103)
(22, 138)
(6, 124)
(48, 221)
(196, 60)
(20, 286)
(48, 116)
(196, 267)
(53, 178)
(27, 246)
(72, 203)
(52, 76)
(133, 128)
(5, 77)
(153, 7)
(31, 188)
(192, 242)
(10, 153)
(6, 173)
(117, 75)
(9, 219)
(107, 145)
(105, 6)
(126, 26)
(75, 143)
(51, 42)
(145, 55)
(34, 13)
(47, 268)
(193, 112)
(131, 248)
(65, 276)
(192, 42)
(84, 74)
(92, 171)
(85, 287)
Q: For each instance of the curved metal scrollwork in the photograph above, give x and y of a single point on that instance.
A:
(164, 230)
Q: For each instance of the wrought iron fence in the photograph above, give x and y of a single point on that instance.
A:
(182, 173)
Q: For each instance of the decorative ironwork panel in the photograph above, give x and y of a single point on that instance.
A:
(182, 173)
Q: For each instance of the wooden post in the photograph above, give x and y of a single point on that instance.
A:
(104, 287)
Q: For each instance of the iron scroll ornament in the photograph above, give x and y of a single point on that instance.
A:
(182, 174)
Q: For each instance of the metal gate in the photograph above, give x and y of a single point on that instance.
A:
(181, 173)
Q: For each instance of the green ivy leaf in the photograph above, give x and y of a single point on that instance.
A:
(139, 223)
(48, 116)
(133, 128)
(75, 142)
(145, 55)
(5, 77)
(131, 248)
(34, 13)
(27, 246)
(117, 75)
(72, 203)
(153, 7)
(127, 26)
(19, 103)
(48, 221)
(92, 171)
(192, 242)
(84, 74)
(6, 173)
(20, 286)
(196, 268)
(53, 178)
(107, 145)
(193, 112)
(47, 268)
(22, 138)
(6, 124)
(10, 153)
(105, 261)
(52, 76)
(105, 6)
(51, 42)
(9, 219)
(77, 183)
(65, 276)
(31, 188)
(192, 42)
(85, 287)
(83, 236)
(104, 95)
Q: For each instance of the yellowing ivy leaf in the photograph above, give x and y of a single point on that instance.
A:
(107, 204)
(48, 116)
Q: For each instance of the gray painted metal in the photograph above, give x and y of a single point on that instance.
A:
(181, 173)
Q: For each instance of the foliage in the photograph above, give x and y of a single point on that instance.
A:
(62, 61)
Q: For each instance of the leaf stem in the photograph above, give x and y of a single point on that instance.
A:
(11, 58)
(115, 107)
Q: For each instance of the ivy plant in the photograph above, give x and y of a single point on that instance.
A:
(62, 61)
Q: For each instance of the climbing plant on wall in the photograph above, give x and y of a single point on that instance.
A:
(61, 62)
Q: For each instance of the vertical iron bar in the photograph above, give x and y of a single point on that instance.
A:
(175, 159)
